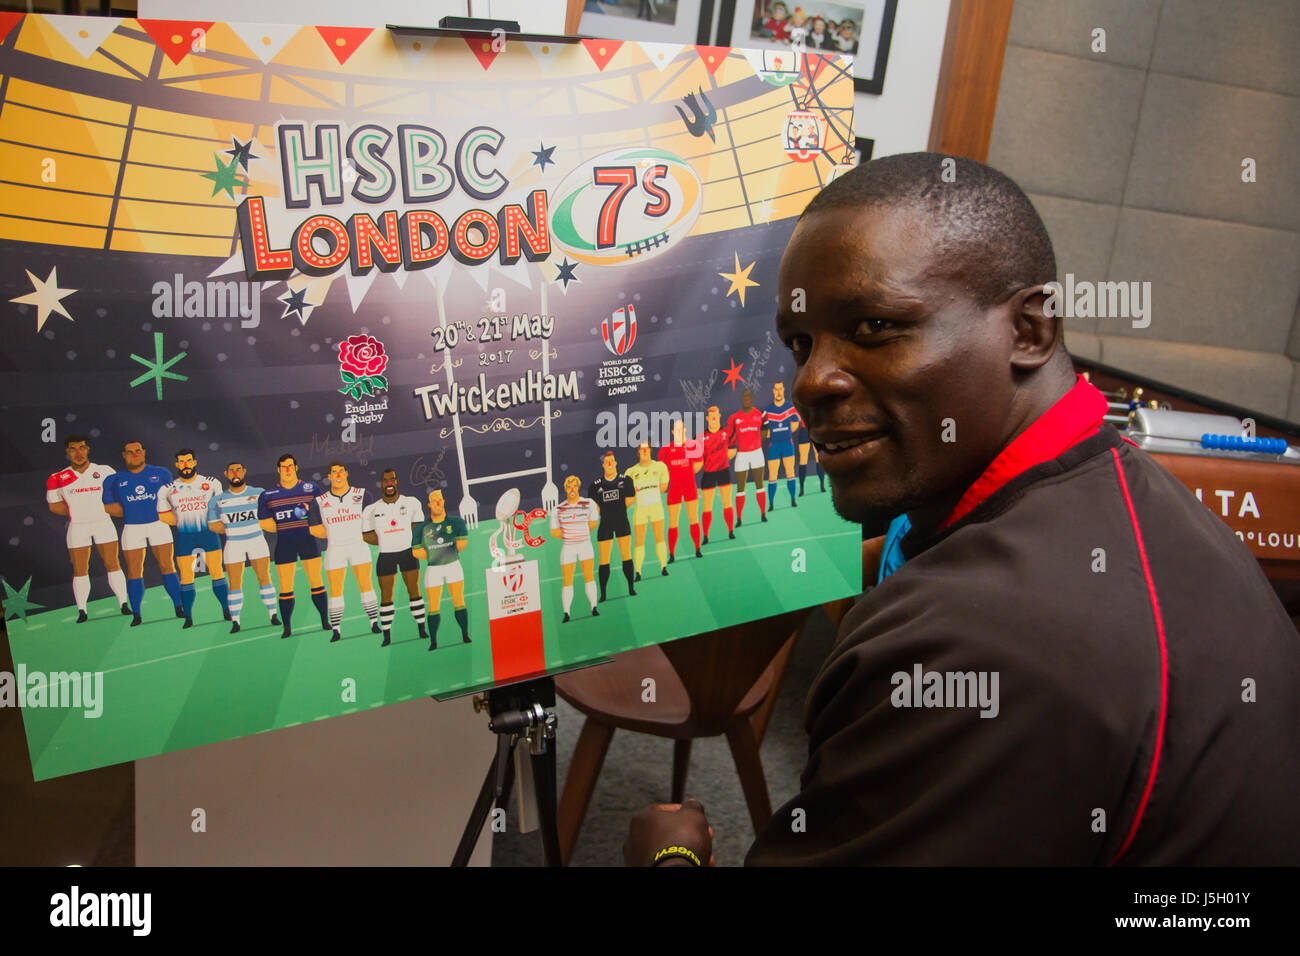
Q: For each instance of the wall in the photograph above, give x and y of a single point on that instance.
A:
(1133, 157)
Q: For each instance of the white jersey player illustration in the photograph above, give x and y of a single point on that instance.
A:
(183, 504)
(77, 493)
(342, 514)
(573, 521)
(388, 523)
(234, 513)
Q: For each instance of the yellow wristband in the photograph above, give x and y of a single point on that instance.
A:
(677, 851)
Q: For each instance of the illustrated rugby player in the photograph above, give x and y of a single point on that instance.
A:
(573, 521)
(745, 429)
(615, 496)
(132, 495)
(779, 422)
(341, 509)
(233, 513)
(717, 471)
(77, 493)
(183, 504)
(288, 511)
(683, 459)
(387, 523)
(650, 478)
(442, 539)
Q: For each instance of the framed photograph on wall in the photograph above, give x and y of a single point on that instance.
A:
(656, 21)
(860, 28)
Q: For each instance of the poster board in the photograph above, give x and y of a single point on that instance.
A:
(481, 266)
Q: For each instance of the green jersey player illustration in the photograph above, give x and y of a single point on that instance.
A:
(650, 478)
(573, 521)
(77, 493)
(183, 504)
(233, 513)
(441, 541)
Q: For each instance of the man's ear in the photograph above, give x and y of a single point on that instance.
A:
(1037, 327)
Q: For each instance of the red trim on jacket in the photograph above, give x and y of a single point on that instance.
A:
(1164, 659)
(1076, 415)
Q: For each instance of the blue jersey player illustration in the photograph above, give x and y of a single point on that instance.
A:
(132, 495)
(183, 504)
(289, 511)
(233, 513)
(779, 422)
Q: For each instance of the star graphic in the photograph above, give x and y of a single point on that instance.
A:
(294, 304)
(543, 155)
(46, 297)
(740, 280)
(16, 602)
(763, 211)
(226, 178)
(733, 375)
(243, 152)
(564, 272)
(158, 368)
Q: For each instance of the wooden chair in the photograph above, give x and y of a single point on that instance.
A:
(722, 682)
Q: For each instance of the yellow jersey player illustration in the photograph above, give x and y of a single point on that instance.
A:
(77, 493)
(650, 478)
(441, 541)
(615, 496)
(183, 504)
(341, 508)
(573, 521)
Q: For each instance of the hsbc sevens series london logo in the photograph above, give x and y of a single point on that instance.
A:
(362, 361)
(622, 374)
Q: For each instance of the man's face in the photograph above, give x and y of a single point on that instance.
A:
(437, 505)
(388, 481)
(891, 346)
(186, 466)
(338, 477)
(778, 393)
(133, 455)
(746, 400)
(643, 453)
(714, 419)
(610, 464)
(679, 432)
(235, 476)
(78, 454)
(571, 486)
(288, 470)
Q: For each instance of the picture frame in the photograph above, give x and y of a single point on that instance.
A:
(864, 30)
(691, 23)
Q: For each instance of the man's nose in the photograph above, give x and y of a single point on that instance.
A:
(825, 375)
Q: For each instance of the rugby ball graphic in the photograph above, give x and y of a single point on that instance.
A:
(630, 203)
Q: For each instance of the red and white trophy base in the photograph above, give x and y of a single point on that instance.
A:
(514, 597)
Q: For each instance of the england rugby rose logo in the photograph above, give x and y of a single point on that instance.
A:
(361, 365)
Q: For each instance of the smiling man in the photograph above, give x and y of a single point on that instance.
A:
(1076, 663)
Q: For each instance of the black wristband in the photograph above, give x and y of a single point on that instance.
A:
(668, 852)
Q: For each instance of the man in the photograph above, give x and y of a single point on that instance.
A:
(289, 512)
(683, 459)
(615, 496)
(650, 479)
(77, 493)
(442, 539)
(573, 521)
(717, 471)
(183, 504)
(340, 510)
(387, 523)
(745, 431)
(1125, 625)
(233, 513)
(132, 495)
(779, 422)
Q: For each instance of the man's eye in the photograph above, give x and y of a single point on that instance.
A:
(874, 326)
(799, 344)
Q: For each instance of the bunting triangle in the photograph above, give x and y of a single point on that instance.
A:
(7, 22)
(83, 34)
(265, 40)
(544, 51)
(713, 57)
(175, 37)
(602, 51)
(661, 54)
(413, 46)
(343, 41)
(481, 47)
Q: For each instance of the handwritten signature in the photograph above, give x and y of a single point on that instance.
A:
(428, 473)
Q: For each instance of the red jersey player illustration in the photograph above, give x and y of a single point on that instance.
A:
(77, 493)
(779, 423)
(683, 459)
(340, 509)
(615, 496)
(717, 471)
(650, 478)
(805, 445)
(183, 504)
(745, 430)
(573, 521)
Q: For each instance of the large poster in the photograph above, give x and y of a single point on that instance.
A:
(344, 366)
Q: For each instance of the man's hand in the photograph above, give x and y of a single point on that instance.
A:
(666, 825)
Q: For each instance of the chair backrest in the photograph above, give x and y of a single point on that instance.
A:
(718, 668)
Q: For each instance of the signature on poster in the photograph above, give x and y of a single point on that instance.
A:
(428, 473)
(325, 446)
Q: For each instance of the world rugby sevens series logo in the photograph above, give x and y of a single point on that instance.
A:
(619, 330)
(361, 364)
